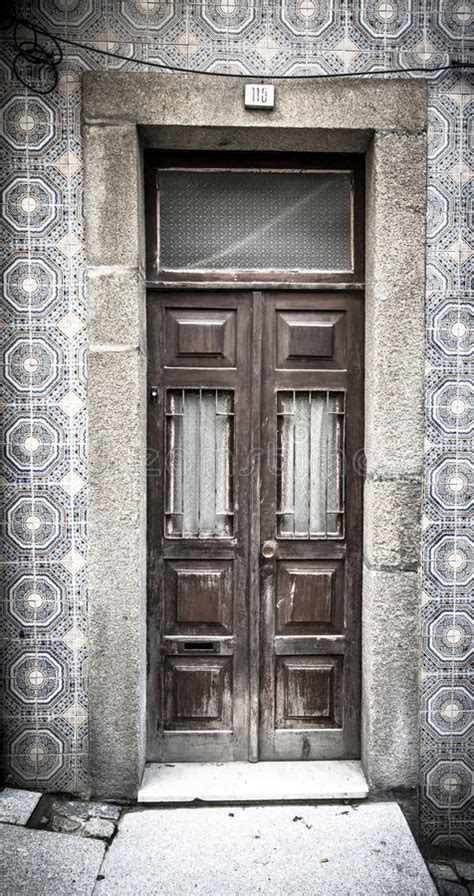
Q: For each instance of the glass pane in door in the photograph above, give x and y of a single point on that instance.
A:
(310, 464)
(199, 451)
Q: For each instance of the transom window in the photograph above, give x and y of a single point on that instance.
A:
(232, 217)
(254, 220)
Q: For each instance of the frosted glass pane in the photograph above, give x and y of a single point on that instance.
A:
(254, 221)
(318, 461)
(302, 459)
(286, 454)
(310, 443)
(199, 437)
(190, 449)
(335, 410)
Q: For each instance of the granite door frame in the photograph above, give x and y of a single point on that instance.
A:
(386, 120)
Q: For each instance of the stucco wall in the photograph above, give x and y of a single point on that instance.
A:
(45, 612)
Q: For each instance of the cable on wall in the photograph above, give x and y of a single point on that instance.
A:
(28, 48)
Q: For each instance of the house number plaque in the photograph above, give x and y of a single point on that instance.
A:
(259, 96)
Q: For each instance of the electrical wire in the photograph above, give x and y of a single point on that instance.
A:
(31, 51)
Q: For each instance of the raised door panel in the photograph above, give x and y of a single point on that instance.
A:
(198, 693)
(308, 692)
(309, 597)
(202, 337)
(310, 339)
(199, 597)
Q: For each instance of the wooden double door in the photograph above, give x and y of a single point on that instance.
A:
(255, 432)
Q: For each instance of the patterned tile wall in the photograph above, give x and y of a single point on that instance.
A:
(44, 619)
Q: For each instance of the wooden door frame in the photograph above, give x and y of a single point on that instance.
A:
(385, 120)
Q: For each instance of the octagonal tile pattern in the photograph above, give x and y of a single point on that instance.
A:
(451, 407)
(28, 122)
(387, 19)
(31, 205)
(78, 16)
(138, 17)
(450, 636)
(36, 522)
(449, 783)
(37, 756)
(44, 438)
(35, 602)
(450, 480)
(451, 560)
(449, 710)
(452, 330)
(33, 444)
(31, 284)
(36, 678)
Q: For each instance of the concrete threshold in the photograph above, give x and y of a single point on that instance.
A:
(250, 782)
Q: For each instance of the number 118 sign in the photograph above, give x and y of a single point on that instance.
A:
(259, 96)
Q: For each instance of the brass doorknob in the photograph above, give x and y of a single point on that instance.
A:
(269, 549)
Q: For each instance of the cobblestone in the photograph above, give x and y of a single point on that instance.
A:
(454, 878)
(99, 827)
(86, 810)
(84, 819)
(449, 888)
(441, 871)
(465, 869)
(66, 825)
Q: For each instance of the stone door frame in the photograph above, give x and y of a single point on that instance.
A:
(386, 120)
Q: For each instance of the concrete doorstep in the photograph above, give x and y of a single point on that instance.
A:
(336, 849)
(253, 782)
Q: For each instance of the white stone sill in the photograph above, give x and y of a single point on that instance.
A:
(242, 782)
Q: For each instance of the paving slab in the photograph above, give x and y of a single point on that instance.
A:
(323, 850)
(40, 863)
(16, 806)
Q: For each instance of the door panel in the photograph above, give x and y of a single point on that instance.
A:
(309, 597)
(200, 336)
(199, 597)
(254, 525)
(308, 692)
(310, 585)
(198, 692)
(198, 524)
(309, 339)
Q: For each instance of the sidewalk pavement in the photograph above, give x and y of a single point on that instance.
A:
(50, 846)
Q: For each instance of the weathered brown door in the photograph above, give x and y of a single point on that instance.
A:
(310, 526)
(254, 431)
